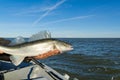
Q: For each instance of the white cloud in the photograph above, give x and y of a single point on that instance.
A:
(48, 11)
(68, 19)
(33, 10)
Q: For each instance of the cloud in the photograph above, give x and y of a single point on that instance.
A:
(33, 10)
(48, 11)
(68, 19)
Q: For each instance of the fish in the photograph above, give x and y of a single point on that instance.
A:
(34, 48)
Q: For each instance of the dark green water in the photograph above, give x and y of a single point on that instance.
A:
(91, 59)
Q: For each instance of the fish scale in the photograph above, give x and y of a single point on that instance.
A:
(34, 48)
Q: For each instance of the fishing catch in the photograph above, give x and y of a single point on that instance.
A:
(34, 48)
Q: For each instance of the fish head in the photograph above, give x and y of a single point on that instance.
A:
(62, 46)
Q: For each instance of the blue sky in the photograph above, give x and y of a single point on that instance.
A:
(63, 18)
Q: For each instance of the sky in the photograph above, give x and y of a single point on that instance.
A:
(63, 18)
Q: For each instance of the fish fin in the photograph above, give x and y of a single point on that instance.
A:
(16, 60)
(54, 46)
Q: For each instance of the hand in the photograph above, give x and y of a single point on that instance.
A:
(1, 52)
(45, 55)
(6, 57)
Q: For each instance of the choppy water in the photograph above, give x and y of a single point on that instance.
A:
(91, 59)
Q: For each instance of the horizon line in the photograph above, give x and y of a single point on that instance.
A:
(67, 37)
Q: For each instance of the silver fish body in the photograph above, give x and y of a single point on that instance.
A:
(34, 48)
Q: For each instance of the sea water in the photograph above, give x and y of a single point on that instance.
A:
(91, 59)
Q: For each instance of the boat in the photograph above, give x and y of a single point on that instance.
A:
(35, 71)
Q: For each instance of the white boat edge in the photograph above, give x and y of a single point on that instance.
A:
(33, 72)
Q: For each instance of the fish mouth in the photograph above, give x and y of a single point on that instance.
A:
(71, 48)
